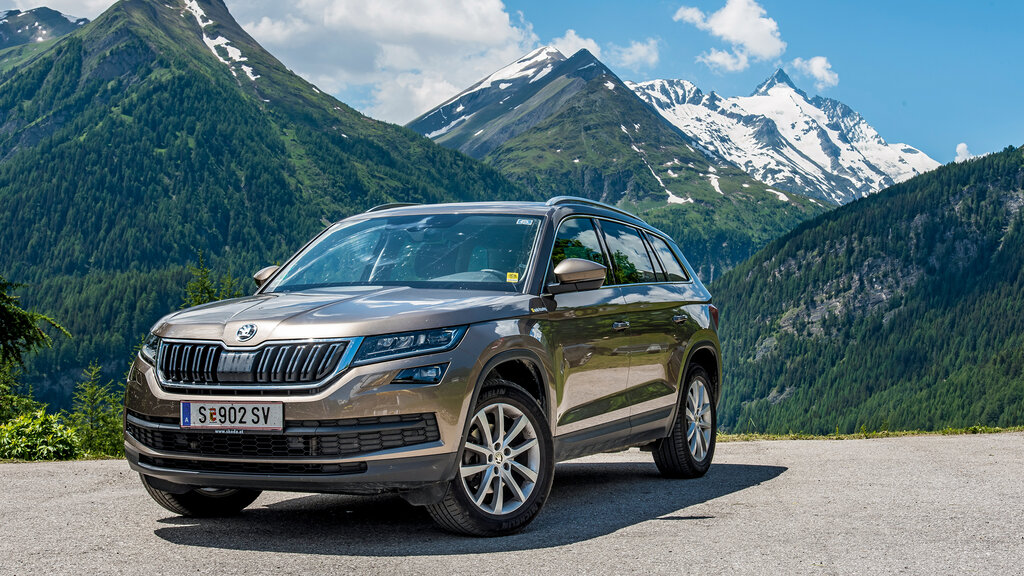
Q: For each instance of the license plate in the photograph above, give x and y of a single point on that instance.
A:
(233, 415)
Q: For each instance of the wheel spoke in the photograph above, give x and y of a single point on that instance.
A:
(485, 485)
(517, 491)
(499, 494)
(477, 448)
(499, 423)
(523, 447)
(485, 428)
(517, 427)
(690, 429)
(526, 472)
(471, 469)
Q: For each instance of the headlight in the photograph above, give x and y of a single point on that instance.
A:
(390, 346)
(149, 348)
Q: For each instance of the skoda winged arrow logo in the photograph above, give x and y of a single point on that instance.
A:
(245, 333)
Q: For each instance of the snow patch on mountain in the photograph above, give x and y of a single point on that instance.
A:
(447, 128)
(714, 181)
(780, 136)
(234, 55)
(524, 67)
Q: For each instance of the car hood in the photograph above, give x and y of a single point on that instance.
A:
(339, 313)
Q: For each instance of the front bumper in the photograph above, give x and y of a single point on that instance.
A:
(385, 475)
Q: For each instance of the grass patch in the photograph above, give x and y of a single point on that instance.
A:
(863, 434)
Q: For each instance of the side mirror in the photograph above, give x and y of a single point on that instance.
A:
(263, 275)
(577, 274)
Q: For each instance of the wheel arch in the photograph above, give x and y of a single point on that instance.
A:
(705, 354)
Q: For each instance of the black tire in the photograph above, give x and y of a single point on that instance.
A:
(203, 503)
(457, 512)
(672, 454)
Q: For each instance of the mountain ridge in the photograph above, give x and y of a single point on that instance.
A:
(779, 135)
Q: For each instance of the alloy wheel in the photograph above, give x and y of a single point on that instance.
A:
(501, 459)
(698, 419)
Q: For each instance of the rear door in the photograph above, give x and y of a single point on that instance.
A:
(658, 331)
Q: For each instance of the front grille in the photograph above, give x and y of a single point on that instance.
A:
(302, 439)
(254, 467)
(197, 367)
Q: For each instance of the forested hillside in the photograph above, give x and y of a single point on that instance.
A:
(901, 310)
(162, 128)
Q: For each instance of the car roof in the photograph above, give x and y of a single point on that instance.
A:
(557, 207)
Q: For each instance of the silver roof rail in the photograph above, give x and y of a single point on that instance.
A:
(559, 200)
(390, 206)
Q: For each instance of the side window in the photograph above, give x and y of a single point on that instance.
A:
(576, 238)
(629, 255)
(674, 270)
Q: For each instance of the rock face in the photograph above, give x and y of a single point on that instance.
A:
(779, 135)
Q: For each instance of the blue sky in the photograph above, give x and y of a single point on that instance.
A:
(930, 74)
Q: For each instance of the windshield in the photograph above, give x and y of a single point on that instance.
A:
(454, 251)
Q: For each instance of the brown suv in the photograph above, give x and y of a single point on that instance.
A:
(451, 353)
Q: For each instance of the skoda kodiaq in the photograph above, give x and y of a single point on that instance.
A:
(450, 353)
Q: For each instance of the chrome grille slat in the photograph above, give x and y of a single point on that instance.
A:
(201, 366)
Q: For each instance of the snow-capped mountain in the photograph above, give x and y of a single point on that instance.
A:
(36, 25)
(509, 101)
(780, 136)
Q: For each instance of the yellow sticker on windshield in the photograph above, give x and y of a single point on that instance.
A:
(512, 277)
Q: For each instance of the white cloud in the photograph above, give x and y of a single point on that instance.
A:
(79, 8)
(572, 43)
(401, 57)
(962, 153)
(636, 55)
(818, 68)
(745, 25)
(723, 60)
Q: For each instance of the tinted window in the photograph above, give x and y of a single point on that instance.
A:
(629, 255)
(576, 238)
(674, 270)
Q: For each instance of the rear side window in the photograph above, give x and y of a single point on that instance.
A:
(576, 238)
(673, 269)
(629, 255)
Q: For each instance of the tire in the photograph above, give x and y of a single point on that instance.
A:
(203, 502)
(688, 450)
(519, 451)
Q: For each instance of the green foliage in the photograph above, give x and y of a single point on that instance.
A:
(37, 436)
(202, 289)
(13, 403)
(97, 414)
(20, 330)
(904, 310)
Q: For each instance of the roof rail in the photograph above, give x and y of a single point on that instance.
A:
(558, 200)
(390, 206)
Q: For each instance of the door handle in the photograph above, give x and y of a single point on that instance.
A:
(680, 319)
(620, 326)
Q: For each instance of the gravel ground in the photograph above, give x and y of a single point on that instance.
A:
(911, 505)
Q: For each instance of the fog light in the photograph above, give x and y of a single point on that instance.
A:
(421, 375)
